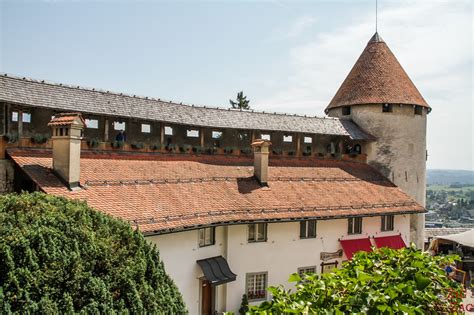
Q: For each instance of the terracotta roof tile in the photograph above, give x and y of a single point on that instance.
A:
(158, 194)
(376, 78)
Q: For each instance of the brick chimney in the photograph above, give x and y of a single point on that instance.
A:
(261, 149)
(67, 134)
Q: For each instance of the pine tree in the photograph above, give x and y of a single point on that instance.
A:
(59, 256)
(241, 102)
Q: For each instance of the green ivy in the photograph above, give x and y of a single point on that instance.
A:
(60, 256)
(384, 281)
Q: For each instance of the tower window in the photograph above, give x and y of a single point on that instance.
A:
(192, 133)
(308, 140)
(418, 110)
(287, 138)
(168, 131)
(387, 108)
(26, 117)
(308, 229)
(346, 110)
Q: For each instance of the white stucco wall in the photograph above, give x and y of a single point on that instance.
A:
(282, 254)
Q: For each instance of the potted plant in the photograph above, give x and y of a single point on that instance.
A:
(39, 138)
(228, 150)
(277, 151)
(197, 149)
(11, 137)
(117, 144)
(155, 147)
(246, 150)
(137, 145)
(93, 143)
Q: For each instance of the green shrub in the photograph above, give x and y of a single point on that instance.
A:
(385, 281)
(197, 149)
(39, 138)
(93, 143)
(58, 256)
(11, 137)
(228, 150)
(137, 145)
(117, 144)
(155, 147)
(246, 150)
(277, 151)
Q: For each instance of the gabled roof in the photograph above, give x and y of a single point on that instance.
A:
(376, 78)
(162, 194)
(74, 98)
(67, 119)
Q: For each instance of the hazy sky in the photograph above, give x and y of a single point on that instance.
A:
(286, 56)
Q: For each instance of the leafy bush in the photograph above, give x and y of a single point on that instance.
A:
(93, 143)
(118, 144)
(155, 147)
(137, 145)
(385, 281)
(11, 137)
(246, 150)
(197, 149)
(228, 150)
(39, 138)
(58, 256)
(277, 151)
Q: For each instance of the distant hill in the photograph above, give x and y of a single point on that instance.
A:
(449, 177)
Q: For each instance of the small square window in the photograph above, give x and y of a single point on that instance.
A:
(192, 133)
(257, 232)
(256, 286)
(146, 128)
(308, 140)
(26, 117)
(119, 125)
(14, 116)
(265, 136)
(216, 134)
(92, 123)
(308, 229)
(287, 138)
(387, 108)
(418, 110)
(207, 236)
(354, 225)
(387, 222)
(346, 110)
(304, 270)
(168, 131)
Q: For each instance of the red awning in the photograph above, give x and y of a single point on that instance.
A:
(352, 246)
(393, 241)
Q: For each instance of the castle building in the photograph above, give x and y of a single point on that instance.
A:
(235, 200)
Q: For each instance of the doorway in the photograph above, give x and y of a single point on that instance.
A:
(208, 292)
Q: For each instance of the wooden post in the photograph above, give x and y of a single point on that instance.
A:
(298, 144)
(106, 130)
(201, 134)
(20, 124)
(162, 134)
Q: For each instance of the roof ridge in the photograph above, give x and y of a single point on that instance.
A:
(122, 94)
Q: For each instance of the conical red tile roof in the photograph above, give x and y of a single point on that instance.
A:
(377, 77)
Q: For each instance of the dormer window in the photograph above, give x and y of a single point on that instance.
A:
(387, 108)
(346, 110)
(418, 110)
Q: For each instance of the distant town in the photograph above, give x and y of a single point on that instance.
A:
(450, 199)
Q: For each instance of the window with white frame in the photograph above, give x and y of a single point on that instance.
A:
(257, 232)
(304, 270)
(192, 133)
(216, 134)
(207, 236)
(256, 285)
(308, 140)
(308, 229)
(26, 117)
(287, 138)
(168, 131)
(119, 125)
(265, 136)
(387, 222)
(354, 225)
(92, 123)
(14, 116)
(146, 128)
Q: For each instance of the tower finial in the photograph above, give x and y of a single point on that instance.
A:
(376, 17)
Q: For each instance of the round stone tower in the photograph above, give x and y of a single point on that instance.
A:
(379, 96)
